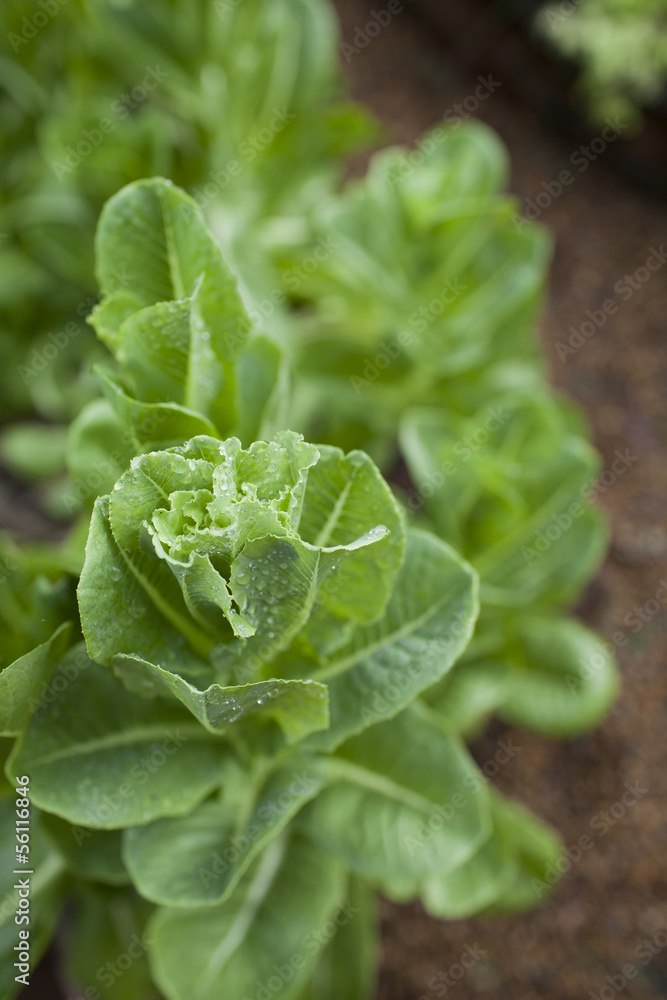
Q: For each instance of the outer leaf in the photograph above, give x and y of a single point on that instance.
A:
(499, 876)
(89, 854)
(478, 883)
(536, 848)
(106, 935)
(108, 316)
(198, 859)
(23, 682)
(346, 499)
(233, 949)
(299, 707)
(153, 244)
(347, 967)
(406, 800)
(153, 425)
(385, 666)
(130, 602)
(35, 596)
(564, 679)
(102, 758)
(474, 886)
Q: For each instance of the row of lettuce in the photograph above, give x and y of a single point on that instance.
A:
(251, 712)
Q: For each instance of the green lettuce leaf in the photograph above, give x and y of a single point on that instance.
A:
(103, 758)
(269, 927)
(498, 876)
(385, 666)
(347, 966)
(405, 800)
(24, 682)
(198, 859)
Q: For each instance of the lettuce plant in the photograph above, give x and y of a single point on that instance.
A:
(241, 732)
(511, 489)
(431, 298)
(240, 102)
(416, 342)
(620, 47)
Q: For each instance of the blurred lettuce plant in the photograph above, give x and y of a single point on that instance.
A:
(416, 342)
(620, 47)
(240, 102)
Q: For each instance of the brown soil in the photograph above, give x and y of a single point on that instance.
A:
(616, 895)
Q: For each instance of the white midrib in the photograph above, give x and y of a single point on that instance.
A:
(174, 263)
(203, 648)
(334, 516)
(381, 784)
(125, 737)
(244, 918)
(181, 292)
